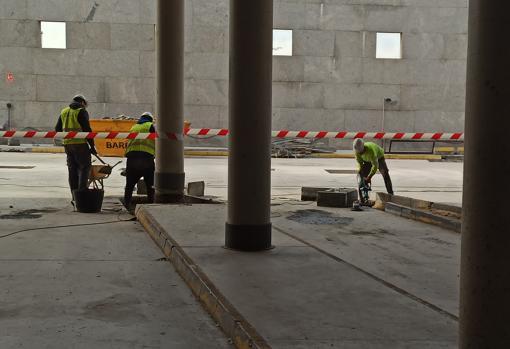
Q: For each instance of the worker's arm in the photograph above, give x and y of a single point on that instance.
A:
(83, 119)
(58, 126)
(152, 129)
(375, 167)
(359, 160)
(374, 161)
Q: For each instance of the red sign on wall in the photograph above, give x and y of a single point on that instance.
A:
(10, 77)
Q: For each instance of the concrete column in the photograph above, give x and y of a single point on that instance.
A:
(248, 225)
(485, 258)
(169, 176)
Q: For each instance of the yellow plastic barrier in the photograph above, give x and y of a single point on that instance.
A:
(111, 147)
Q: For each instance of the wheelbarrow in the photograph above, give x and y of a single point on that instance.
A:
(100, 172)
(90, 200)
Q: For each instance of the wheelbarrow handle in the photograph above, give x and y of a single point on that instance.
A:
(104, 163)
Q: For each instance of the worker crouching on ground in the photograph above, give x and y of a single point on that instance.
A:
(76, 118)
(140, 160)
(370, 158)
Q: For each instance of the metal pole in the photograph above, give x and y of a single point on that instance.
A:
(485, 256)
(9, 107)
(248, 226)
(169, 176)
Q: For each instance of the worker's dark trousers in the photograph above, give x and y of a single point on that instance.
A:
(383, 168)
(137, 168)
(78, 164)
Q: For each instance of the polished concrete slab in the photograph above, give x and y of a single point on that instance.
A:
(91, 281)
(334, 279)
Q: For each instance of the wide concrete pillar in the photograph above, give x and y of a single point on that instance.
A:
(169, 176)
(485, 258)
(248, 225)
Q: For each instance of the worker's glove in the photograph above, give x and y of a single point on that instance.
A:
(93, 151)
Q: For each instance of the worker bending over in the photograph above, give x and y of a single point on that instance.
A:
(76, 118)
(140, 159)
(370, 158)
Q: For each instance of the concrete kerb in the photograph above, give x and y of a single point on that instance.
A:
(242, 334)
(418, 210)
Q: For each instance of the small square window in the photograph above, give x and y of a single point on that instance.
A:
(389, 46)
(282, 42)
(53, 35)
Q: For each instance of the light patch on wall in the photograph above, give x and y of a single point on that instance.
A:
(282, 42)
(53, 35)
(389, 46)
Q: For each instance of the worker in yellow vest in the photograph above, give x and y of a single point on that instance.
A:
(370, 158)
(76, 118)
(140, 159)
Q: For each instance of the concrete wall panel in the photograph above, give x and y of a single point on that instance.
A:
(385, 18)
(362, 96)
(148, 11)
(22, 89)
(133, 37)
(436, 98)
(289, 68)
(289, 15)
(130, 90)
(13, 9)
(300, 95)
(206, 66)
(341, 17)
(429, 121)
(363, 120)
(423, 45)
(42, 115)
(55, 88)
(207, 39)
(56, 62)
(456, 46)
(210, 13)
(348, 44)
(206, 92)
(386, 71)
(203, 115)
(109, 63)
(19, 33)
(17, 60)
(314, 43)
(308, 119)
(399, 121)
(437, 20)
(89, 35)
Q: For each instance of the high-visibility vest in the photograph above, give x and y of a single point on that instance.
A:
(69, 117)
(145, 145)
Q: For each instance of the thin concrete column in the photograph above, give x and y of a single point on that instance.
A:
(248, 225)
(485, 258)
(169, 176)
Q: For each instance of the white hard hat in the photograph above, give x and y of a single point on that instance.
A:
(358, 145)
(149, 114)
(80, 98)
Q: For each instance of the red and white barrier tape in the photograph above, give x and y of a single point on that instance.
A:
(225, 132)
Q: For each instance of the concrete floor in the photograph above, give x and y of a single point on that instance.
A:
(434, 181)
(98, 286)
(102, 286)
(336, 278)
